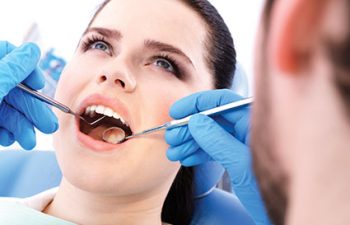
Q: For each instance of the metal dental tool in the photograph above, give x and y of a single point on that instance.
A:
(55, 103)
(184, 121)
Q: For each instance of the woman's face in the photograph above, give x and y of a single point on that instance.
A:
(137, 58)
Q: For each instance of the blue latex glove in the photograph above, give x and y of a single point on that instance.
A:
(20, 112)
(222, 138)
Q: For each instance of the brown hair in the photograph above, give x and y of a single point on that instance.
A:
(338, 52)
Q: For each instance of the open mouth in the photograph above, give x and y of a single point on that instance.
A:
(106, 119)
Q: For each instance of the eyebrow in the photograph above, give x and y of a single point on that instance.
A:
(152, 44)
(114, 34)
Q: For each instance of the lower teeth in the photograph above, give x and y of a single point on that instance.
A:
(113, 135)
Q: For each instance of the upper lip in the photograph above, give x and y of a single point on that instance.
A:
(114, 104)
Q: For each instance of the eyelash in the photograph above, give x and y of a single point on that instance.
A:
(93, 39)
(177, 69)
(89, 41)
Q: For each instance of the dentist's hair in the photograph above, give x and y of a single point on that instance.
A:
(221, 61)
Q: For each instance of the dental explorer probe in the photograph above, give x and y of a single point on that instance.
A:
(184, 121)
(54, 103)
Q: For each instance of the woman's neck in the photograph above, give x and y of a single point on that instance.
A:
(85, 208)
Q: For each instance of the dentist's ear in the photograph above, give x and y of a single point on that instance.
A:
(295, 26)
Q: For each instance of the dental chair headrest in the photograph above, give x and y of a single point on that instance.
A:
(206, 177)
(240, 84)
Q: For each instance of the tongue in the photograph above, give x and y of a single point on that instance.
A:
(97, 132)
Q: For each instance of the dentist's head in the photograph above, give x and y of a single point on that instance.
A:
(301, 116)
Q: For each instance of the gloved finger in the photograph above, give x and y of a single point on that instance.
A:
(16, 123)
(38, 113)
(35, 80)
(196, 159)
(236, 114)
(177, 136)
(182, 151)
(5, 48)
(17, 65)
(6, 138)
(241, 126)
(202, 101)
(223, 147)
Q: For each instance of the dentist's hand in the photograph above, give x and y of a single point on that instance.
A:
(222, 138)
(20, 112)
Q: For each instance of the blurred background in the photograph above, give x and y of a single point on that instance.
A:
(57, 26)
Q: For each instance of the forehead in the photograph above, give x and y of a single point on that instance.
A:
(168, 21)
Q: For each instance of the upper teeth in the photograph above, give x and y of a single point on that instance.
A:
(100, 109)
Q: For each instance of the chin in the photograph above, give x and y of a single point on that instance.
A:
(124, 170)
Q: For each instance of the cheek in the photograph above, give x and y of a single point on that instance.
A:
(80, 70)
(67, 85)
(159, 104)
(158, 95)
(66, 89)
(74, 78)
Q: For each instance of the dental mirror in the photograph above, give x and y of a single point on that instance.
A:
(113, 135)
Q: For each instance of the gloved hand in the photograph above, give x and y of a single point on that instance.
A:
(223, 138)
(20, 112)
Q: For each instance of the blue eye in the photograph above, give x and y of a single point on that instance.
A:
(165, 64)
(100, 45)
(97, 43)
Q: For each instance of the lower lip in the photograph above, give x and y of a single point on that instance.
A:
(93, 144)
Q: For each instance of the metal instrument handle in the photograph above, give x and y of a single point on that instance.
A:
(45, 98)
(211, 112)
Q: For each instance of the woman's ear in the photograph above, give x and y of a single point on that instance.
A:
(294, 27)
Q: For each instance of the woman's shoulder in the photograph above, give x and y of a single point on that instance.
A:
(37, 202)
(14, 212)
(27, 211)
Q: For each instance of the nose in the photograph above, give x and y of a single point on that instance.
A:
(118, 76)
